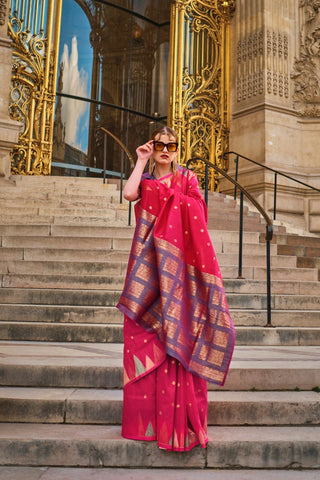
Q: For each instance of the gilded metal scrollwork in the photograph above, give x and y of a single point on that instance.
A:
(32, 94)
(199, 103)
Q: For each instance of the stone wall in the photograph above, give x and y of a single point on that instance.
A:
(275, 103)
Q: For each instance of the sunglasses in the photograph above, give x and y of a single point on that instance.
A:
(159, 146)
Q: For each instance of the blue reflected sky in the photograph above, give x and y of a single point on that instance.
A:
(76, 54)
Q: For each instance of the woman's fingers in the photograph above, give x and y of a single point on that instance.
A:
(145, 150)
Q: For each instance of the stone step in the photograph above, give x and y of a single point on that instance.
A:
(61, 473)
(96, 275)
(54, 296)
(57, 275)
(61, 332)
(99, 365)
(227, 252)
(58, 297)
(47, 235)
(280, 318)
(57, 186)
(113, 216)
(70, 255)
(73, 243)
(112, 333)
(66, 255)
(72, 199)
(57, 200)
(250, 223)
(256, 260)
(260, 273)
(247, 248)
(59, 313)
(109, 314)
(66, 231)
(76, 275)
(64, 211)
(300, 250)
(92, 270)
(294, 336)
(301, 241)
(63, 281)
(92, 406)
(99, 445)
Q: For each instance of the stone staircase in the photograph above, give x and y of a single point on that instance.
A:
(63, 257)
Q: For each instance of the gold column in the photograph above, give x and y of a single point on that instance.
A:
(199, 78)
(34, 76)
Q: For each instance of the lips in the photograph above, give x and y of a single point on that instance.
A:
(164, 156)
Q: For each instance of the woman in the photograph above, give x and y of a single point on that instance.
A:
(178, 333)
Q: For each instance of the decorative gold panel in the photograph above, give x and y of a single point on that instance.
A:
(34, 27)
(199, 79)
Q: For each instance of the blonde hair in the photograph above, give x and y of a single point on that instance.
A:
(164, 130)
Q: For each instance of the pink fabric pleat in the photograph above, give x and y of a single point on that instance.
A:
(167, 404)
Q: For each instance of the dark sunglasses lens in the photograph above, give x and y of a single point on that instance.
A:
(158, 146)
(172, 147)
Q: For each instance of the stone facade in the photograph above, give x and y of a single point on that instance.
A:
(275, 102)
(275, 106)
(9, 130)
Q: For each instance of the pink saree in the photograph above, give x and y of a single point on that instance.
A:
(178, 333)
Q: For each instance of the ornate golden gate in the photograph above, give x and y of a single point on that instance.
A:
(199, 78)
(34, 27)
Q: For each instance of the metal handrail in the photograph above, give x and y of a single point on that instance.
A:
(276, 173)
(153, 117)
(83, 168)
(269, 223)
(124, 148)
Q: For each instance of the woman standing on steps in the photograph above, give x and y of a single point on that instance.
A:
(178, 333)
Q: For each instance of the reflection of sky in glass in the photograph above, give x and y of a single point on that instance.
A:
(76, 54)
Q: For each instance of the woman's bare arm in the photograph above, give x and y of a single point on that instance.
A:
(131, 189)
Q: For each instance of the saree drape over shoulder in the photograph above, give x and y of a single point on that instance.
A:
(178, 333)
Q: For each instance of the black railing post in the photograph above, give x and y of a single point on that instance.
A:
(269, 324)
(206, 184)
(240, 236)
(236, 178)
(105, 158)
(129, 215)
(269, 229)
(121, 178)
(275, 196)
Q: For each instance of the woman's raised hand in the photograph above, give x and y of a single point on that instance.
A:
(131, 189)
(144, 152)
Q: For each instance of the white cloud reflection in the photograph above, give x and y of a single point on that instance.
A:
(74, 83)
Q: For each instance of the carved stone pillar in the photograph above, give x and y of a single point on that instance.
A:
(9, 129)
(275, 102)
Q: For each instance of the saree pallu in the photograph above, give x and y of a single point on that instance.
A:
(178, 333)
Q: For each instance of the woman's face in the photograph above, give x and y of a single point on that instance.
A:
(164, 157)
